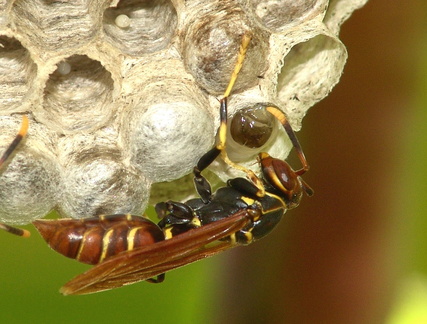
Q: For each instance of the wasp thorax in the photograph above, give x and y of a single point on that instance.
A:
(252, 127)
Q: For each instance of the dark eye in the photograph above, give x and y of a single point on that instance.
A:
(252, 127)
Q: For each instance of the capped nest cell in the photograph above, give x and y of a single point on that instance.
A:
(123, 96)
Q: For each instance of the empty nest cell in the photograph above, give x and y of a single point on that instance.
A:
(55, 25)
(138, 27)
(17, 71)
(80, 99)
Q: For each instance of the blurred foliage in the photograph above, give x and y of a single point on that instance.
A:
(411, 302)
(411, 298)
(416, 161)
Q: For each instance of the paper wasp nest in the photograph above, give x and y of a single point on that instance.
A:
(124, 94)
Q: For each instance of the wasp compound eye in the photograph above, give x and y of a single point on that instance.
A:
(253, 126)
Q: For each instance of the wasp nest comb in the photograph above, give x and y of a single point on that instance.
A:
(124, 94)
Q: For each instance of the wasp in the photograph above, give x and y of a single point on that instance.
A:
(6, 155)
(126, 249)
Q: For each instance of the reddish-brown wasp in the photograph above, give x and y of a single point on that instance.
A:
(6, 155)
(126, 249)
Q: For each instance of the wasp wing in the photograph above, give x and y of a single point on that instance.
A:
(152, 260)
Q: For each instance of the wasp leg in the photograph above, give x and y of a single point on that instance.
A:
(21, 134)
(11, 148)
(202, 185)
(176, 218)
(173, 213)
(211, 155)
(159, 279)
(222, 132)
(15, 230)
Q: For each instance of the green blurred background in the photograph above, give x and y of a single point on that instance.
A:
(356, 252)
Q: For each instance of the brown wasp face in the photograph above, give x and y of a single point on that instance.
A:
(284, 179)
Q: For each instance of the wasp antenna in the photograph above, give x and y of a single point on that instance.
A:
(15, 230)
(281, 117)
(21, 134)
(307, 189)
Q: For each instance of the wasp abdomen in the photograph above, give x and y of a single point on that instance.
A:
(92, 240)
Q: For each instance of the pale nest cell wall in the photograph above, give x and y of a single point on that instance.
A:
(119, 104)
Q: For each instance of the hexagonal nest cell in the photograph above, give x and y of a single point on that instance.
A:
(122, 95)
(54, 26)
(150, 26)
(80, 99)
(17, 73)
